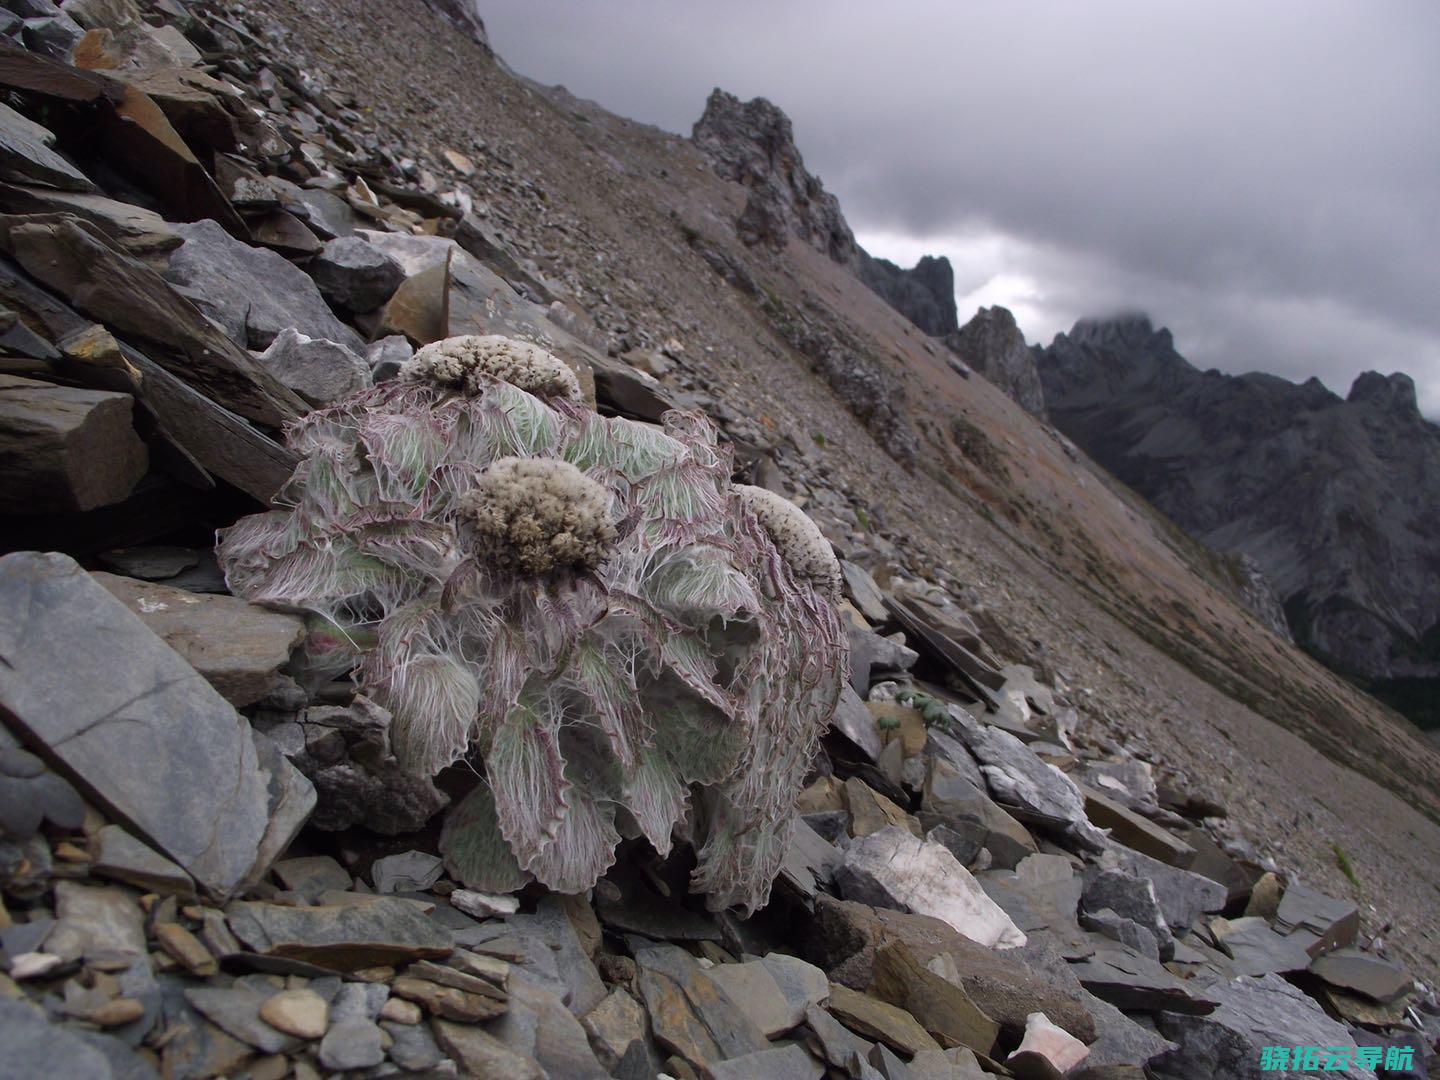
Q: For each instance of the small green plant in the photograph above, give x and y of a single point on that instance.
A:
(863, 517)
(934, 712)
(1343, 862)
(583, 608)
(819, 438)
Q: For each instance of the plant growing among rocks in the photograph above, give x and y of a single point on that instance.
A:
(585, 607)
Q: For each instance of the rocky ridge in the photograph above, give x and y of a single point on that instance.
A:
(1333, 499)
(982, 868)
(993, 345)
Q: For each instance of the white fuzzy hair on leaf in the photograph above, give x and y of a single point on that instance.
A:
(460, 363)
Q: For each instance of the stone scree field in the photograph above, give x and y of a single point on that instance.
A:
(1077, 812)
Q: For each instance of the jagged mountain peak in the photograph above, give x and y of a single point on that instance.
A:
(1130, 328)
(1395, 393)
(992, 344)
(1334, 498)
(753, 143)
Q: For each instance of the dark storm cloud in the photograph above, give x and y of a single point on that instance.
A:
(1263, 178)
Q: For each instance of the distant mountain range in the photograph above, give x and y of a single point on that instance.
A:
(1337, 499)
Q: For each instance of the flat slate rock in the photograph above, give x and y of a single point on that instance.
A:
(1023, 783)
(690, 1014)
(252, 293)
(1364, 973)
(879, 1020)
(1251, 1014)
(238, 646)
(1128, 980)
(942, 1007)
(32, 1046)
(755, 991)
(126, 859)
(1183, 894)
(1256, 949)
(387, 931)
(846, 936)
(151, 743)
(1134, 831)
(26, 157)
(1321, 922)
(781, 1063)
(65, 449)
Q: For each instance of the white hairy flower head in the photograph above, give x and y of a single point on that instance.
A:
(799, 540)
(458, 362)
(537, 515)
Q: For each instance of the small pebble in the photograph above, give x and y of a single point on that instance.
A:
(402, 1012)
(33, 965)
(122, 1010)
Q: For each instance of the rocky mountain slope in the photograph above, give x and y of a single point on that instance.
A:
(1337, 500)
(1076, 811)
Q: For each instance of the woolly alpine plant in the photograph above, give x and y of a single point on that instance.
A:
(583, 607)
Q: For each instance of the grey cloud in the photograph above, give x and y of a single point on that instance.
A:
(1261, 178)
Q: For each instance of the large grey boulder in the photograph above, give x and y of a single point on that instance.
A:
(1253, 1014)
(252, 293)
(65, 449)
(136, 729)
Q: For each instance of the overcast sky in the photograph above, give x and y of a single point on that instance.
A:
(1263, 178)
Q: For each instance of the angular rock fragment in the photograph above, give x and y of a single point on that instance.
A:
(122, 857)
(782, 1063)
(237, 646)
(754, 990)
(1364, 973)
(133, 228)
(1131, 981)
(846, 937)
(876, 1019)
(26, 157)
(1321, 923)
(943, 1008)
(320, 371)
(65, 449)
(613, 1026)
(1021, 782)
(1183, 894)
(150, 742)
(1057, 1048)
(1131, 898)
(355, 275)
(1252, 1014)
(894, 869)
(479, 1053)
(344, 938)
(1256, 949)
(1136, 832)
(252, 293)
(691, 1015)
